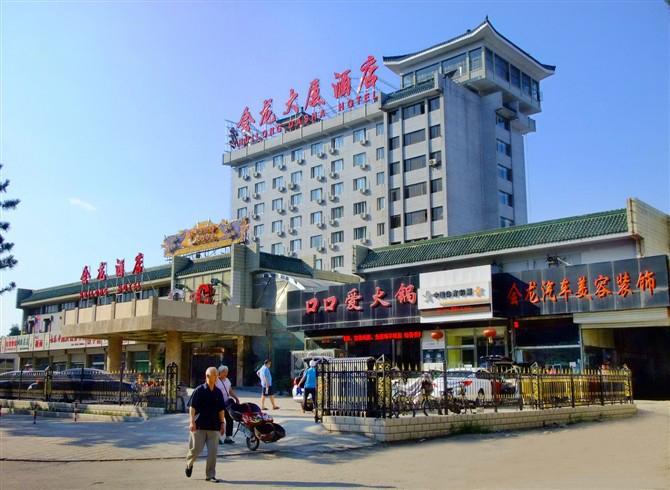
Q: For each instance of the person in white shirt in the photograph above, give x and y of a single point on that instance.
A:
(224, 384)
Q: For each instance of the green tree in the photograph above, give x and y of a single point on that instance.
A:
(7, 260)
(14, 330)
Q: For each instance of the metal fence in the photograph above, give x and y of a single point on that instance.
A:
(383, 391)
(86, 385)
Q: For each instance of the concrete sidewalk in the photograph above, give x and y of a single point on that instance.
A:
(164, 437)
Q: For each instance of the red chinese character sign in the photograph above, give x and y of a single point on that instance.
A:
(607, 286)
(373, 303)
(242, 133)
(342, 86)
(120, 267)
(85, 275)
(267, 116)
(102, 287)
(139, 264)
(368, 77)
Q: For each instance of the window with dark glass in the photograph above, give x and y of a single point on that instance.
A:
(360, 207)
(433, 104)
(437, 213)
(506, 222)
(426, 73)
(408, 80)
(337, 261)
(414, 163)
(296, 222)
(502, 68)
(413, 110)
(502, 123)
(505, 198)
(437, 156)
(394, 168)
(525, 84)
(435, 185)
(504, 172)
(360, 233)
(435, 131)
(504, 148)
(380, 229)
(414, 137)
(475, 59)
(337, 213)
(416, 217)
(395, 194)
(415, 190)
(394, 116)
(337, 237)
(395, 221)
(394, 142)
(456, 66)
(315, 241)
(515, 76)
(535, 90)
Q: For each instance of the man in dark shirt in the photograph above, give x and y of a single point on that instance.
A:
(206, 422)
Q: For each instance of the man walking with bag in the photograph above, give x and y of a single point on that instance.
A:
(206, 422)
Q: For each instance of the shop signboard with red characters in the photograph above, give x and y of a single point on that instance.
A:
(370, 303)
(122, 282)
(603, 286)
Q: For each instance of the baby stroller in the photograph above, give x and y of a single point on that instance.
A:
(255, 424)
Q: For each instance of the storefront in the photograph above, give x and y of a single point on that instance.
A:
(591, 315)
(411, 321)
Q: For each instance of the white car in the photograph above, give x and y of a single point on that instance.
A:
(478, 384)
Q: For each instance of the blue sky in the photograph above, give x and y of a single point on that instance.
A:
(112, 114)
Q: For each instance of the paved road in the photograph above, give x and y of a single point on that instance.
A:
(159, 438)
(618, 454)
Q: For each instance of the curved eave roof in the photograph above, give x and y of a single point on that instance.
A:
(553, 232)
(479, 31)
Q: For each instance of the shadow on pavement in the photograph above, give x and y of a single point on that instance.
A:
(301, 484)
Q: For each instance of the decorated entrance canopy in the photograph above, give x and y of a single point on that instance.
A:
(206, 236)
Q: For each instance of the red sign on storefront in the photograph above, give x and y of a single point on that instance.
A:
(376, 337)
(406, 294)
(646, 282)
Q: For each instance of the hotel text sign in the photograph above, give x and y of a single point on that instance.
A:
(314, 106)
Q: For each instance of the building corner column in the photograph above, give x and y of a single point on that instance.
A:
(173, 346)
(114, 351)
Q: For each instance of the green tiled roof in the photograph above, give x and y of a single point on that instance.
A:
(410, 91)
(206, 265)
(545, 232)
(284, 264)
(150, 274)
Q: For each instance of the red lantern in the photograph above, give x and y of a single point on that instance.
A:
(489, 333)
(436, 335)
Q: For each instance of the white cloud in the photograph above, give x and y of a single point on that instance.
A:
(75, 201)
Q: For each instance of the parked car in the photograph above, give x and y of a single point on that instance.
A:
(85, 384)
(479, 384)
(17, 383)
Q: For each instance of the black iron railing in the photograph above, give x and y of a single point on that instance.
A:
(382, 391)
(85, 385)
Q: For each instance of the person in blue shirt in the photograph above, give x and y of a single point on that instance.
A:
(266, 384)
(309, 378)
